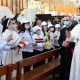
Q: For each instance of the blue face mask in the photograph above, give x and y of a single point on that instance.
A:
(67, 23)
(13, 27)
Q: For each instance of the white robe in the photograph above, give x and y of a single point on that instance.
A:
(75, 66)
(11, 56)
(56, 33)
(40, 45)
(75, 31)
(52, 38)
(3, 46)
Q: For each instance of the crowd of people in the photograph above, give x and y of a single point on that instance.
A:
(22, 39)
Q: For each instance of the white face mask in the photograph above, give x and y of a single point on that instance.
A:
(27, 27)
(52, 29)
(38, 32)
(49, 22)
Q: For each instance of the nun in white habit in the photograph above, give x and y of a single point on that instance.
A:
(75, 66)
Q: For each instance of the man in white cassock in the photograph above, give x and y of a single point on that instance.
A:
(75, 66)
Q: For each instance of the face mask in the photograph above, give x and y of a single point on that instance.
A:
(27, 27)
(49, 22)
(38, 32)
(13, 27)
(67, 23)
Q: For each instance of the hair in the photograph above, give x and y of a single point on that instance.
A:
(68, 29)
(44, 31)
(10, 21)
(22, 28)
(19, 25)
(52, 27)
(16, 16)
(4, 16)
(34, 23)
(6, 23)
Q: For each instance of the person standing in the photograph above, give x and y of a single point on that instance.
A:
(46, 33)
(39, 40)
(65, 63)
(9, 56)
(4, 47)
(51, 30)
(57, 35)
(27, 50)
(75, 66)
(56, 38)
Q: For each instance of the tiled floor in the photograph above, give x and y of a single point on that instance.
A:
(49, 78)
(52, 78)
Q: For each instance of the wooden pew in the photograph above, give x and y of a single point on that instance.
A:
(7, 71)
(42, 71)
(11, 68)
(4, 71)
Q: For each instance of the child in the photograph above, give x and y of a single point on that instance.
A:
(57, 35)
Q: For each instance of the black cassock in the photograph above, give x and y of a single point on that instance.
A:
(66, 55)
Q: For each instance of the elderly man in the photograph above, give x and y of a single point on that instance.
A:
(66, 55)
